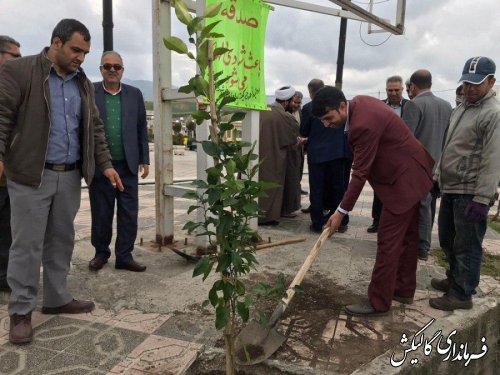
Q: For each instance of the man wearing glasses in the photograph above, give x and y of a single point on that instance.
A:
(395, 100)
(124, 115)
(9, 50)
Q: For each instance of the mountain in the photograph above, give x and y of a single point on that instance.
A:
(146, 87)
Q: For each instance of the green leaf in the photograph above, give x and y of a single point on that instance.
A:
(207, 29)
(182, 12)
(201, 266)
(240, 288)
(190, 195)
(192, 208)
(200, 85)
(210, 148)
(224, 262)
(228, 99)
(194, 25)
(237, 262)
(230, 167)
(221, 316)
(225, 126)
(238, 116)
(175, 44)
(205, 303)
(228, 290)
(212, 296)
(243, 311)
(190, 226)
(219, 51)
(251, 208)
(200, 116)
(186, 89)
(212, 10)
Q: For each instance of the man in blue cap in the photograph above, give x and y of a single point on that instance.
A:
(468, 173)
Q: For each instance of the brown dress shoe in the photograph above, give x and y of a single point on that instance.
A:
(447, 302)
(96, 264)
(74, 307)
(131, 266)
(20, 331)
(440, 284)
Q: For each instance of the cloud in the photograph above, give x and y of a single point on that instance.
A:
(440, 36)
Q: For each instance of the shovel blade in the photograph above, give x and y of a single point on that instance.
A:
(256, 343)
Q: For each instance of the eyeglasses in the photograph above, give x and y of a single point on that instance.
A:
(14, 55)
(116, 67)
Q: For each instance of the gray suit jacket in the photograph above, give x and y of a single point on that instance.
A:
(133, 122)
(428, 117)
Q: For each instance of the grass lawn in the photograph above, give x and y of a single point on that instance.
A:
(490, 266)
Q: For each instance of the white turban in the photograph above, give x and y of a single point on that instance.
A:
(285, 93)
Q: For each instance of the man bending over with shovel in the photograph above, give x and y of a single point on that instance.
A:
(399, 169)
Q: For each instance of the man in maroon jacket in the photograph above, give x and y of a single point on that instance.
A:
(399, 169)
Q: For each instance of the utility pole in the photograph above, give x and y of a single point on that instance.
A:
(341, 53)
(107, 24)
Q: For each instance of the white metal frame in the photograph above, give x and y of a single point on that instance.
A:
(164, 94)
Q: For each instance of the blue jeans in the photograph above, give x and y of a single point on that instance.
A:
(461, 241)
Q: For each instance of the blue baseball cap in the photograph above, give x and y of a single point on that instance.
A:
(477, 69)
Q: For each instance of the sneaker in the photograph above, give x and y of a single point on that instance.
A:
(447, 302)
(423, 255)
(442, 285)
(20, 331)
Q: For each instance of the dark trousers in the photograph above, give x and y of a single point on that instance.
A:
(461, 240)
(102, 205)
(376, 208)
(5, 234)
(327, 184)
(395, 270)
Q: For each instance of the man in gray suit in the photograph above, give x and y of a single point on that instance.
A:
(122, 110)
(428, 117)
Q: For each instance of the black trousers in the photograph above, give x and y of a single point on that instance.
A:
(376, 208)
(102, 205)
(327, 184)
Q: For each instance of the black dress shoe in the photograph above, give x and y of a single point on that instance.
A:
(97, 263)
(271, 223)
(4, 287)
(131, 266)
(373, 228)
(363, 309)
(312, 229)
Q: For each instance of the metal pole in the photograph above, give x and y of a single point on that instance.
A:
(341, 53)
(107, 24)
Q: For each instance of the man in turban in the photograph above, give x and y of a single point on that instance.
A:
(279, 151)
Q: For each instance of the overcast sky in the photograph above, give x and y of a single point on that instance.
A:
(440, 36)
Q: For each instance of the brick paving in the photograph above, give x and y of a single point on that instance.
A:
(117, 338)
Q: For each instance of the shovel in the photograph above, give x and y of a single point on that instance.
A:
(255, 343)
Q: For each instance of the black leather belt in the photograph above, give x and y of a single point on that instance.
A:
(62, 167)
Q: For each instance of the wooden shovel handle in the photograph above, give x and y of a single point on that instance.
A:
(305, 267)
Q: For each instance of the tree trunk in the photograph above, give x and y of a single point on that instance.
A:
(229, 347)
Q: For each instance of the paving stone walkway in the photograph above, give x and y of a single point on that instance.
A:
(152, 323)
